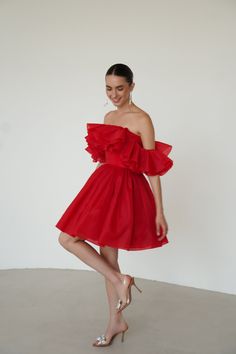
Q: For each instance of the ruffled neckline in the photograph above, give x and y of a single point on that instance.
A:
(106, 141)
(117, 126)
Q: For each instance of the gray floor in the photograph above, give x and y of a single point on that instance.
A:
(57, 311)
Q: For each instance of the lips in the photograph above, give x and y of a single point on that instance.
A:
(115, 101)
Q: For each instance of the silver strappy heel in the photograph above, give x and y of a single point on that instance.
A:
(101, 341)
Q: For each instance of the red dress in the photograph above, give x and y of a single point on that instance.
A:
(116, 205)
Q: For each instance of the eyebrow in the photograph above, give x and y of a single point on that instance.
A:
(116, 86)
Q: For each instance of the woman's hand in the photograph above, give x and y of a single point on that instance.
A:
(161, 226)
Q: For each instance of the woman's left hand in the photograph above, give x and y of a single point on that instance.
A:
(161, 226)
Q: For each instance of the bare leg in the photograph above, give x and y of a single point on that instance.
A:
(91, 257)
(116, 322)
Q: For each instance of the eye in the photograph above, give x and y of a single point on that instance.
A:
(119, 89)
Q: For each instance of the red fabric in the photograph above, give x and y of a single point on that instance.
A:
(116, 206)
(118, 145)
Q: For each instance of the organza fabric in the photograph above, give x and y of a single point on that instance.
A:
(116, 205)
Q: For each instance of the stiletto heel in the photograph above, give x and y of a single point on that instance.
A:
(136, 286)
(123, 336)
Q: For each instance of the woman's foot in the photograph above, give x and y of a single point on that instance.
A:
(115, 326)
(123, 291)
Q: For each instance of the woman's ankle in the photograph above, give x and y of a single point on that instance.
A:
(114, 320)
(117, 278)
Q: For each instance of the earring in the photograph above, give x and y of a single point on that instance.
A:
(106, 103)
(130, 98)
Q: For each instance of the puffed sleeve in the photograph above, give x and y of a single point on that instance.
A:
(149, 161)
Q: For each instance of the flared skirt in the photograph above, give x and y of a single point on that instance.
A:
(115, 208)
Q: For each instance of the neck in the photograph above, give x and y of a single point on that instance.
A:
(126, 107)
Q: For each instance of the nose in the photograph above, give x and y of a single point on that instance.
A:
(113, 93)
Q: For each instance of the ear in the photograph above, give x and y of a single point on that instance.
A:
(132, 86)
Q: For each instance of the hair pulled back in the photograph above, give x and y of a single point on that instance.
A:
(121, 70)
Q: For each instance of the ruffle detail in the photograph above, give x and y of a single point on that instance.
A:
(102, 138)
(105, 138)
(152, 162)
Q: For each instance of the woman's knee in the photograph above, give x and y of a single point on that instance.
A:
(65, 240)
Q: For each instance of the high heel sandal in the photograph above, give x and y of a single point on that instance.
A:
(101, 341)
(130, 282)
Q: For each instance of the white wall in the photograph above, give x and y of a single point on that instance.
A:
(54, 55)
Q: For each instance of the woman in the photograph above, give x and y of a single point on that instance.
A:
(117, 208)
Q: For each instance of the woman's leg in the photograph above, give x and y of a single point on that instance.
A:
(116, 320)
(91, 257)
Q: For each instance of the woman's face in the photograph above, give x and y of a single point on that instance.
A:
(118, 89)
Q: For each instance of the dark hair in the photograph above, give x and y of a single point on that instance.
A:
(121, 70)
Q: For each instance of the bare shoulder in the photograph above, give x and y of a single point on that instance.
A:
(145, 124)
(146, 131)
(107, 116)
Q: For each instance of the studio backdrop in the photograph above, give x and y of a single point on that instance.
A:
(54, 56)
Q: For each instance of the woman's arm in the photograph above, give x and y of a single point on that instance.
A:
(147, 132)
(161, 223)
(155, 182)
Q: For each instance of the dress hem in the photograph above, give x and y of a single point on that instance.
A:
(86, 238)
